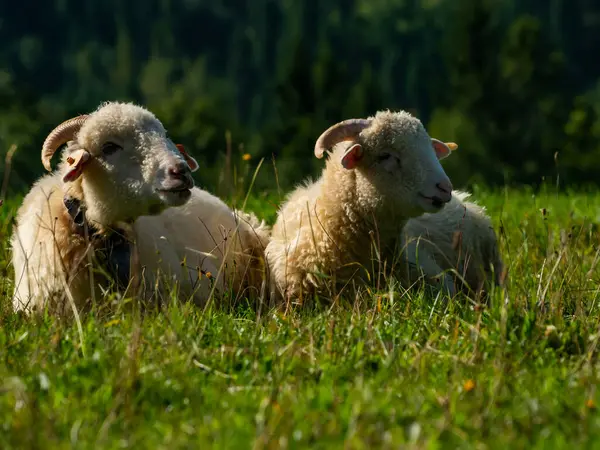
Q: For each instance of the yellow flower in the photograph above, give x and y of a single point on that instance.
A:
(469, 385)
(111, 323)
(589, 403)
(208, 275)
(246, 156)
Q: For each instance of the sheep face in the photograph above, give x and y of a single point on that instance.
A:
(399, 163)
(129, 166)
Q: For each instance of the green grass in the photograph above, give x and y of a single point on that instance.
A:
(388, 370)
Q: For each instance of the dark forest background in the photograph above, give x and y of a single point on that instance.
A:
(516, 83)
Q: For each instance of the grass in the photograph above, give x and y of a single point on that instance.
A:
(388, 370)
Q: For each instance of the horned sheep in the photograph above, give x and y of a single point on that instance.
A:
(370, 187)
(118, 191)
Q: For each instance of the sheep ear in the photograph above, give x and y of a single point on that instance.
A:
(352, 156)
(188, 159)
(443, 149)
(76, 161)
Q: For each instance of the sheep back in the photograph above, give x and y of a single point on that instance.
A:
(461, 237)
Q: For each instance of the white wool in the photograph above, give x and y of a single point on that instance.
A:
(457, 242)
(212, 239)
(116, 188)
(333, 225)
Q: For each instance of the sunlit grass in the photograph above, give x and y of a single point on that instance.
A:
(386, 370)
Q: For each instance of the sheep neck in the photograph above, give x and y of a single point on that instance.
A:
(76, 211)
(111, 247)
(352, 198)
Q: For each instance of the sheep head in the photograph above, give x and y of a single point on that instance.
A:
(395, 157)
(123, 160)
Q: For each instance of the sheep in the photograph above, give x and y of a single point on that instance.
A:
(118, 165)
(204, 240)
(367, 191)
(187, 234)
(460, 237)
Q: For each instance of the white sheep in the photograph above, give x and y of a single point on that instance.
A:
(205, 246)
(389, 173)
(119, 164)
(460, 238)
(118, 178)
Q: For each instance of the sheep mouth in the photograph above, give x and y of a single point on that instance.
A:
(179, 187)
(176, 195)
(434, 201)
(175, 190)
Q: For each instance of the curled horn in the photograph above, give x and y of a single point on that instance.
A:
(60, 135)
(339, 132)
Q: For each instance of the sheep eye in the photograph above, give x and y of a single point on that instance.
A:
(383, 157)
(110, 147)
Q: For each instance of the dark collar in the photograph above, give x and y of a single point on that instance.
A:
(76, 210)
(113, 249)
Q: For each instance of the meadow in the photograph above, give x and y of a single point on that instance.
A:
(389, 368)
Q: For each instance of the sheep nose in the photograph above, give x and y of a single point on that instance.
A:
(445, 187)
(182, 174)
(178, 171)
